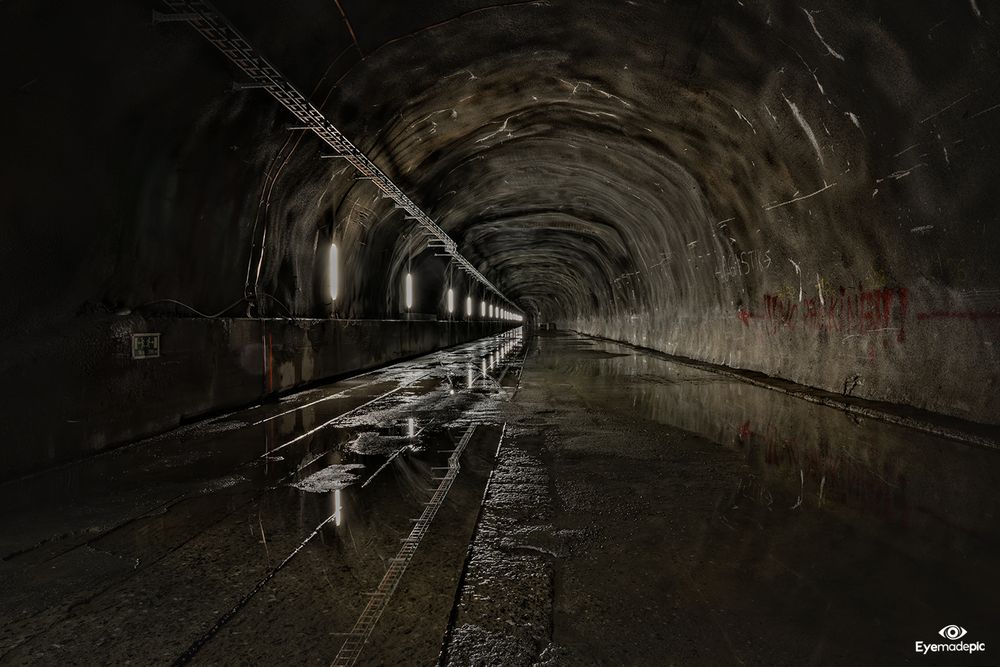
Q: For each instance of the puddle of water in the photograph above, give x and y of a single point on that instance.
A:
(331, 478)
(217, 492)
(826, 455)
(871, 519)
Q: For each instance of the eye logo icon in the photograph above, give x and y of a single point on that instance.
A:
(953, 632)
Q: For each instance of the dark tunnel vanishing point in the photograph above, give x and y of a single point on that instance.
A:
(671, 220)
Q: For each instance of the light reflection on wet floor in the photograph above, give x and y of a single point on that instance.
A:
(797, 529)
(809, 454)
(141, 551)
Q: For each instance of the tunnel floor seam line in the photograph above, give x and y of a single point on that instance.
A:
(186, 657)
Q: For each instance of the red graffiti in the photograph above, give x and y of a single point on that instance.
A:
(904, 303)
(780, 312)
(744, 316)
(845, 311)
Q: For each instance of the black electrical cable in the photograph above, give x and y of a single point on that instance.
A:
(192, 309)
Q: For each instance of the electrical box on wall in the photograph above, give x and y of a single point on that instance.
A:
(145, 345)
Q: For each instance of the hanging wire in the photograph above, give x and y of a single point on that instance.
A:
(193, 309)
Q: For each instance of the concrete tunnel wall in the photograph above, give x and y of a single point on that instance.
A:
(805, 192)
(206, 366)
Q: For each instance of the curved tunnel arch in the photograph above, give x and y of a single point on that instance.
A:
(226, 436)
(759, 178)
(806, 193)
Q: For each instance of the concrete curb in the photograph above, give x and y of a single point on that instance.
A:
(971, 433)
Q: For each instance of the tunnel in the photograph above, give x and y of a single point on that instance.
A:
(500, 332)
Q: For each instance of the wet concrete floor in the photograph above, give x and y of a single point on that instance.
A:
(257, 537)
(612, 507)
(644, 512)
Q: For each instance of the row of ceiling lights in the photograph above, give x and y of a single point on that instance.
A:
(219, 31)
(487, 310)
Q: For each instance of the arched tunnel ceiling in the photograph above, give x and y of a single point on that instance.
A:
(722, 180)
(648, 170)
(586, 153)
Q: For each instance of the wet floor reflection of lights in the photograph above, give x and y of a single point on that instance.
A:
(865, 517)
(361, 433)
(337, 508)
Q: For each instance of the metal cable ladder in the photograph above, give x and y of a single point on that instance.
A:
(216, 29)
(379, 599)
